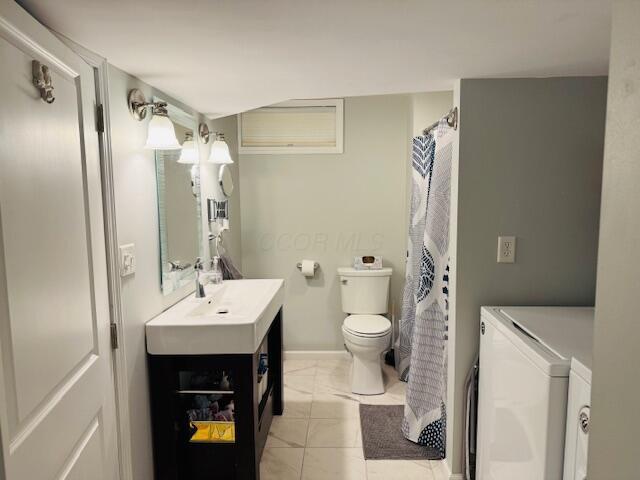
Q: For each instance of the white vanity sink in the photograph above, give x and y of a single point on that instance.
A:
(232, 318)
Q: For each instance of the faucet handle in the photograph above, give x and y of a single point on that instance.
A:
(198, 264)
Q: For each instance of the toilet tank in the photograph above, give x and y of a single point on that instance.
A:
(364, 291)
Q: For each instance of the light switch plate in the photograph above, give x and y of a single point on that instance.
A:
(127, 259)
(506, 249)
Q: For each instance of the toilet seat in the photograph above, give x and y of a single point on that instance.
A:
(367, 326)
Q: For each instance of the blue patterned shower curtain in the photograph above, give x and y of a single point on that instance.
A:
(423, 326)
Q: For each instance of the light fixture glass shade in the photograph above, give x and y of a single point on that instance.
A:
(189, 153)
(161, 134)
(220, 152)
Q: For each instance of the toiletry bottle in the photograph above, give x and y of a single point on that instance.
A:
(216, 271)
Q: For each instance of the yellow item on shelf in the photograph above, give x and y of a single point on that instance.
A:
(213, 432)
(223, 432)
(203, 434)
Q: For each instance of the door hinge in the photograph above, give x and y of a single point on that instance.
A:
(100, 119)
(114, 336)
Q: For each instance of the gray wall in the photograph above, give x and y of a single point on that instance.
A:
(614, 449)
(137, 222)
(529, 164)
(427, 108)
(329, 208)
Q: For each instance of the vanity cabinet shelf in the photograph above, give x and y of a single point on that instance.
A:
(205, 392)
(211, 414)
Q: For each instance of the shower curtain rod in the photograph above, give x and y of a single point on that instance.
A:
(452, 121)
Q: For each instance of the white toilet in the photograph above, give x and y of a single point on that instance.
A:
(367, 333)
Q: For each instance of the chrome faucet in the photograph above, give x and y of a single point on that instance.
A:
(197, 267)
(178, 266)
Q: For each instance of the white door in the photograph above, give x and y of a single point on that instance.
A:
(57, 407)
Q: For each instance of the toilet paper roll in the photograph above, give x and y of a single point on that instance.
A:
(307, 268)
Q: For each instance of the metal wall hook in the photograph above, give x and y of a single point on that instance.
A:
(42, 81)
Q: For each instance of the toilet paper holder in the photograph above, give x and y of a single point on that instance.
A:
(316, 265)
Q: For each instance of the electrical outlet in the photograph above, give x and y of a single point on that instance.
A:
(127, 259)
(506, 249)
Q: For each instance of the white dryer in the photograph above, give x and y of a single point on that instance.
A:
(578, 418)
(525, 356)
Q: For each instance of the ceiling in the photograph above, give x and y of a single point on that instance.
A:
(226, 56)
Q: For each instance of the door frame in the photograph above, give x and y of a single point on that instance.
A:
(101, 74)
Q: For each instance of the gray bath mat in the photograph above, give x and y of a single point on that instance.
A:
(382, 437)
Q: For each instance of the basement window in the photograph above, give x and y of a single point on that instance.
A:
(296, 126)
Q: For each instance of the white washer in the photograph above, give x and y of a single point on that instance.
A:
(525, 355)
(578, 418)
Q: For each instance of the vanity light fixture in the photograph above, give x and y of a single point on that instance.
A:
(219, 149)
(161, 134)
(189, 153)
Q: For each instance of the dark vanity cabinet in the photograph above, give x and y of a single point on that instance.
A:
(211, 413)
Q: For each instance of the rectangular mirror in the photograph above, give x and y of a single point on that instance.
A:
(179, 205)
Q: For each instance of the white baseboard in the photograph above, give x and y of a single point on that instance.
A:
(316, 355)
(452, 476)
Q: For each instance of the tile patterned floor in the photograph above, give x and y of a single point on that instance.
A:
(319, 436)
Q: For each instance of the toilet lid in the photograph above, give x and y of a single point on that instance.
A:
(367, 324)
